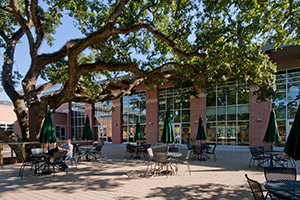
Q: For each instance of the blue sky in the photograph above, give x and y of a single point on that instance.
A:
(64, 33)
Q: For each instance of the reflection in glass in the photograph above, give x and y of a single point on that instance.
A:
(280, 111)
(211, 131)
(280, 93)
(221, 113)
(281, 124)
(243, 133)
(292, 109)
(211, 114)
(231, 112)
(221, 134)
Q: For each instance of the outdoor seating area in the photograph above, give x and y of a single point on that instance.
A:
(261, 157)
(114, 177)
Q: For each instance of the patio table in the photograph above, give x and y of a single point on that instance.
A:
(271, 155)
(285, 189)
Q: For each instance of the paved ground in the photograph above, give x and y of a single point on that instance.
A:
(118, 178)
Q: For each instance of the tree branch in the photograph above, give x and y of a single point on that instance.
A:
(117, 11)
(162, 37)
(3, 35)
(110, 96)
(6, 8)
(37, 23)
(24, 25)
(43, 87)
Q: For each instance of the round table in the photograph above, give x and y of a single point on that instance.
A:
(284, 188)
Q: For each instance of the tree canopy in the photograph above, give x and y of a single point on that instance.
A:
(195, 43)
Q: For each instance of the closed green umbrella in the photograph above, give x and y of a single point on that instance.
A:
(272, 134)
(168, 132)
(47, 134)
(87, 132)
(138, 131)
(292, 145)
(201, 132)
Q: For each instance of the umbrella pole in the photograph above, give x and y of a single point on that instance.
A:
(167, 147)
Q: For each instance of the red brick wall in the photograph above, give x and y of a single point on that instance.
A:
(197, 110)
(117, 121)
(152, 116)
(259, 118)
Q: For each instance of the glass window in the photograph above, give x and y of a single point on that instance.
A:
(232, 110)
(211, 130)
(280, 109)
(103, 117)
(211, 99)
(134, 107)
(77, 119)
(221, 113)
(211, 114)
(280, 93)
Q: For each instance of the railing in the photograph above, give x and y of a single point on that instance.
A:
(11, 151)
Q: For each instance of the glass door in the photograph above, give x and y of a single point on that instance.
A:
(103, 133)
(177, 132)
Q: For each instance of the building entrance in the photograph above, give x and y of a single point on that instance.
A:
(102, 130)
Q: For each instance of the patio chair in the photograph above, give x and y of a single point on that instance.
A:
(76, 154)
(285, 160)
(257, 156)
(96, 151)
(58, 162)
(130, 151)
(212, 152)
(280, 173)
(151, 160)
(163, 164)
(24, 163)
(36, 161)
(256, 189)
(186, 160)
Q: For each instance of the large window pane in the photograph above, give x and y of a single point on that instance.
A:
(292, 109)
(231, 113)
(243, 133)
(211, 130)
(211, 114)
(211, 99)
(221, 133)
(134, 107)
(243, 112)
(221, 113)
(280, 110)
(280, 93)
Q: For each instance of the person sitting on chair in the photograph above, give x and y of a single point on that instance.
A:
(69, 148)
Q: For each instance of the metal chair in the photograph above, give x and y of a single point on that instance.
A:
(186, 160)
(163, 164)
(212, 152)
(24, 163)
(285, 160)
(58, 162)
(151, 160)
(280, 173)
(257, 156)
(256, 189)
(96, 151)
(130, 151)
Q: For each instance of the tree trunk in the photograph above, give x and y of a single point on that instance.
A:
(8, 85)
(36, 115)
